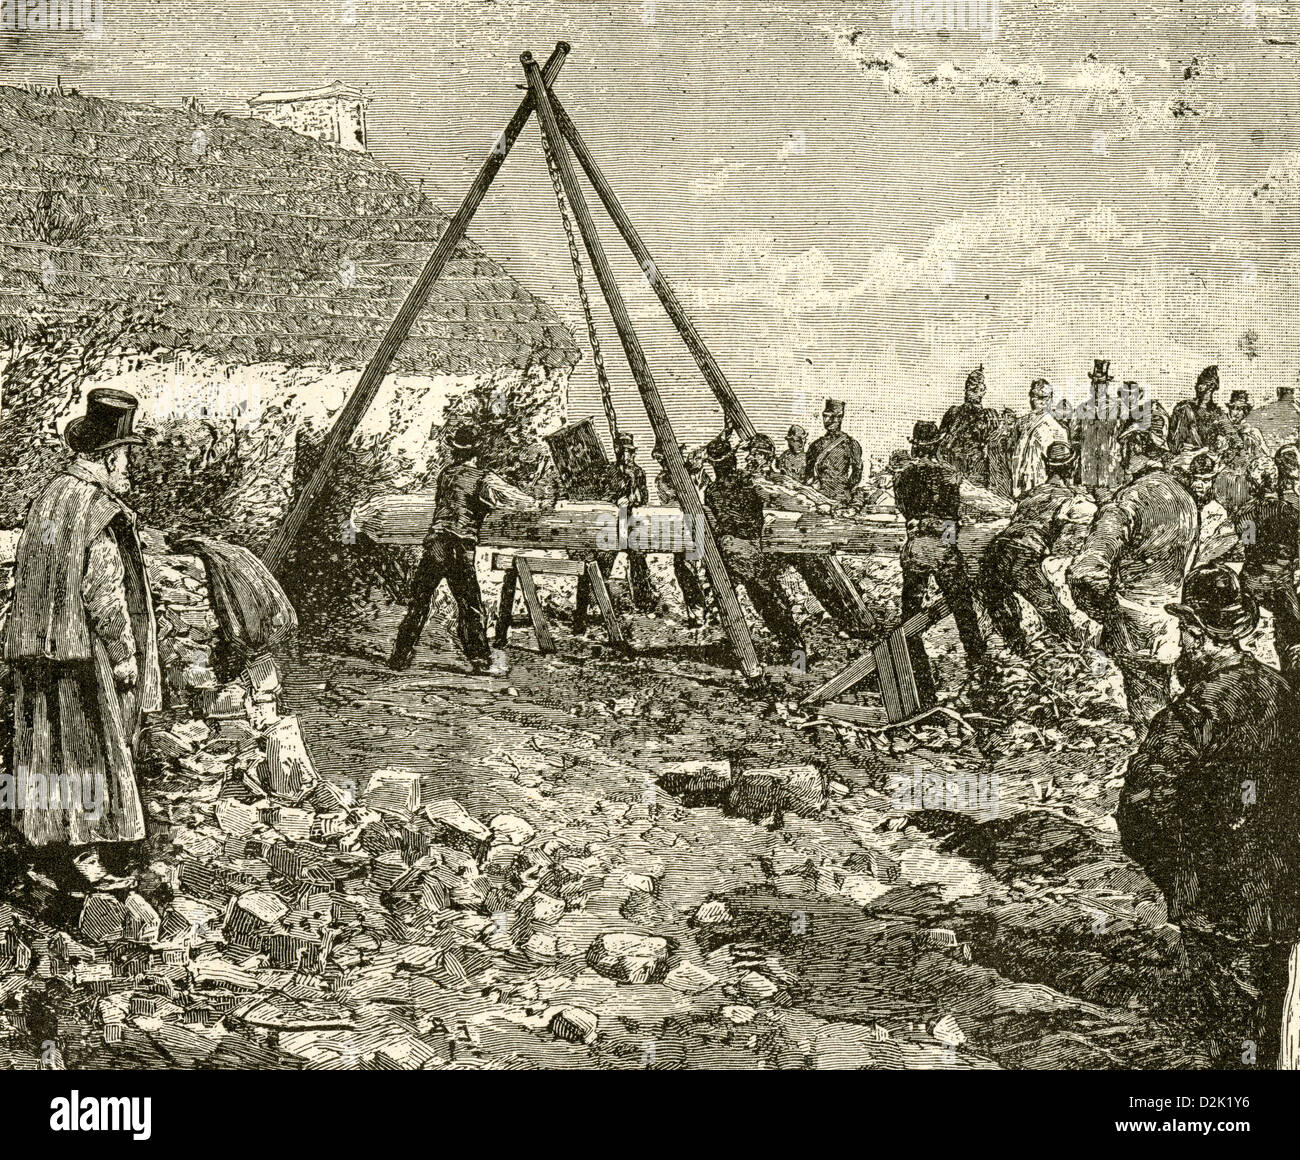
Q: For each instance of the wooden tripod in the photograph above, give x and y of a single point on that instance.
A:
(558, 128)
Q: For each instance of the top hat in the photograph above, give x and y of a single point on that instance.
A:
(109, 422)
(1207, 380)
(762, 442)
(833, 407)
(925, 433)
(796, 432)
(1058, 454)
(462, 439)
(1239, 397)
(976, 378)
(1100, 372)
(1214, 602)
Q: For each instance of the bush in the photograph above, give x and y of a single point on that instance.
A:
(49, 358)
(330, 571)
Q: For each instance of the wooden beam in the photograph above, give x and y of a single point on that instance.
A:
(732, 408)
(733, 619)
(541, 629)
(349, 418)
(865, 665)
(405, 518)
(542, 565)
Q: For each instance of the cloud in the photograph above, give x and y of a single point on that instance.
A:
(1096, 89)
(1197, 172)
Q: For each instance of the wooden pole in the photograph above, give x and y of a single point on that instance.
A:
(368, 385)
(733, 619)
(732, 408)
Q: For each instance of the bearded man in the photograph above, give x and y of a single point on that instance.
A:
(82, 645)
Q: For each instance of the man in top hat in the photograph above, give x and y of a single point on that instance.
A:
(629, 490)
(1037, 432)
(466, 493)
(834, 463)
(1217, 537)
(1269, 529)
(968, 430)
(782, 494)
(83, 648)
(794, 459)
(1195, 423)
(735, 511)
(1013, 561)
(1132, 565)
(1209, 809)
(1094, 428)
(1278, 423)
(928, 495)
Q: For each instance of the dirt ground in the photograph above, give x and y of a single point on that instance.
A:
(571, 892)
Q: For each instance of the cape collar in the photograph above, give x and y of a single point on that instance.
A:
(96, 474)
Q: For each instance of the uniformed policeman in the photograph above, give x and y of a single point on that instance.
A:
(834, 462)
(780, 493)
(629, 490)
(1013, 561)
(735, 510)
(928, 494)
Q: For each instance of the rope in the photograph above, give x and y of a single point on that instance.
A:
(597, 357)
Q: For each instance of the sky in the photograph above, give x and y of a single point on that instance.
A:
(849, 206)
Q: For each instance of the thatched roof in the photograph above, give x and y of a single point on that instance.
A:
(253, 243)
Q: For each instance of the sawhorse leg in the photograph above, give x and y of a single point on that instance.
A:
(605, 604)
(849, 594)
(542, 630)
(506, 610)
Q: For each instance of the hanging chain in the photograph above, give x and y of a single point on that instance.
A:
(597, 357)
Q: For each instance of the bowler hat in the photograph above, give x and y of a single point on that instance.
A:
(1214, 602)
(1203, 466)
(925, 433)
(109, 422)
(463, 439)
(762, 442)
(796, 432)
(1058, 455)
(1287, 458)
(1207, 380)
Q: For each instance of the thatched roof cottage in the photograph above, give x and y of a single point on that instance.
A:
(258, 267)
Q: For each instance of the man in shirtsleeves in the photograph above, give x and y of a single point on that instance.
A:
(466, 494)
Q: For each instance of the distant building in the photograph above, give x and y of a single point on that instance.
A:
(335, 114)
